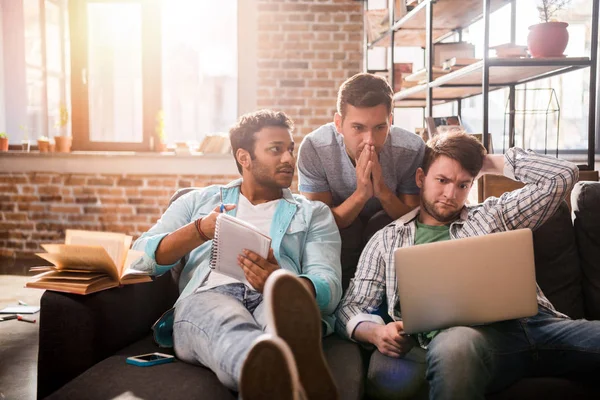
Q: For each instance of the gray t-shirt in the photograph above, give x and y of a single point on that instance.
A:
(324, 165)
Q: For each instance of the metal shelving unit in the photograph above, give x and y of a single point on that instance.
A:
(420, 28)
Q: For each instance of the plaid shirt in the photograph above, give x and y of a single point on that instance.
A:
(548, 181)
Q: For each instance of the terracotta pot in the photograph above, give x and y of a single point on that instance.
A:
(63, 144)
(43, 145)
(4, 144)
(160, 147)
(548, 39)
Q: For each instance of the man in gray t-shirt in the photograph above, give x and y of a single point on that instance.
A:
(361, 166)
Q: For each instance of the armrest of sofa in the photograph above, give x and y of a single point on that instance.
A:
(77, 331)
(585, 200)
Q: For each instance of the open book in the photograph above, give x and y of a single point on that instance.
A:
(88, 262)
(232, 236)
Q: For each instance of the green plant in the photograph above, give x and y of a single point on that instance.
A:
(3, 135)
(63, 119)
(160, 126)
(548, 8)
(43, 138)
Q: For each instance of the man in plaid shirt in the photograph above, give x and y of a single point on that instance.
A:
(465, 362)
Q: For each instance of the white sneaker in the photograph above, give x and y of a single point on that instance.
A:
(292, 314)
(269, 371)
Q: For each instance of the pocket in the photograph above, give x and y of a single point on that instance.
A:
(296, 227)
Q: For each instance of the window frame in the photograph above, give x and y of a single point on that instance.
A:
(151, 76)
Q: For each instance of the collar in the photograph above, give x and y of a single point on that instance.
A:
(236, 184)
(411, 216)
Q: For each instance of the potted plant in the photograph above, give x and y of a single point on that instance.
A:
(63, 142)
(549, 38)
(3, 141)
(43, 144)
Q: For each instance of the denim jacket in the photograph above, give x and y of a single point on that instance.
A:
(305, 241)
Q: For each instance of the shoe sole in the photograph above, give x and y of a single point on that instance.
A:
(293, 315)
(269, 371)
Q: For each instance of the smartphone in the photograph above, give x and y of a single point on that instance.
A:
(147, 360)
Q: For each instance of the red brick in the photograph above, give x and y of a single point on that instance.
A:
(155, 192)
(78, 191)
(109, 191)
(147, 210)
(65, 209)
(13, 179)
(41, 178)
(9, 189)
(25, 198)
(134, 218)
(113, 200)
(108, 218)
(101, 182)
(75, 180)
(47, 199)
(18, 216)
(130, 182)
(82, 218)
(49, 190)
(7, 207)
(32, 207)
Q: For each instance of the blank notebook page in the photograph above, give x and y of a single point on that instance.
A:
(232, 236)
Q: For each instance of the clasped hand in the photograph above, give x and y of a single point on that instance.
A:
(369, 174)
(392, 341)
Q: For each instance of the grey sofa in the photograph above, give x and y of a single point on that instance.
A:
(84, 340)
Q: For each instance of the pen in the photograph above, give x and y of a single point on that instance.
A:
(222, 208)
(22, 303)
(22, 318)
(8, 317)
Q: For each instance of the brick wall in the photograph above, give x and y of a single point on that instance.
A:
(38, 207)
(306, 49)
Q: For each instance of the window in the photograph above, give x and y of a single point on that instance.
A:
(144, 60)
(199, 62)
(131, 61)
(37, 79)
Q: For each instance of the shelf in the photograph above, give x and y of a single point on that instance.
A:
(448, 15)
(467, 81)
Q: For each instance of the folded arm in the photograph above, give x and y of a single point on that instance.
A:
(548, 181)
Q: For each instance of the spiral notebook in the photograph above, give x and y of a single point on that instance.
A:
(232, 236)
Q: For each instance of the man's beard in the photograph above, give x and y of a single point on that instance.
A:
(438, 216)
(263, 177)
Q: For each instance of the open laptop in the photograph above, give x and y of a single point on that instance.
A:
(467, 282)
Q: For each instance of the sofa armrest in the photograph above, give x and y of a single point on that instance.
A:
(585, 200)
(77, 331)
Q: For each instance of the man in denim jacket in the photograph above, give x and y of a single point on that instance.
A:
(465, 362)
(218, 321)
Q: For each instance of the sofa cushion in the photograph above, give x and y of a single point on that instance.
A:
(114, 378)
(585, 200)
(557, 263)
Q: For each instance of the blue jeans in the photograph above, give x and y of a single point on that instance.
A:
(466, 363)
(216, 328)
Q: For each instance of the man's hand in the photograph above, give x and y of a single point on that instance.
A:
(379, 187)
(256, 268)
(364, 165)
(391, 340)
(208, 223)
